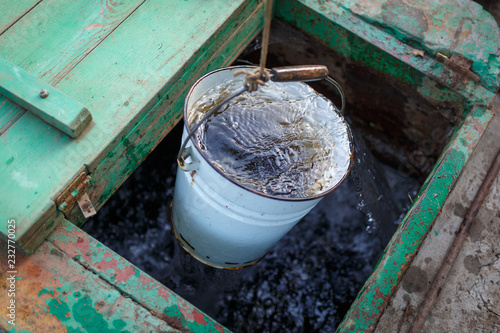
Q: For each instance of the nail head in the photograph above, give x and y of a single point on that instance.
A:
(44, 93)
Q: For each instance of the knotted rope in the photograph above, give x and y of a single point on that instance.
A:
(259, 76)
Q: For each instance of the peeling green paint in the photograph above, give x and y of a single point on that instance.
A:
(446, 26)
(128, 280)
(343, 26)
(59, 309)
(369, 305)
(84, 313)
(46, 291)
(380, 36)
(90, 320)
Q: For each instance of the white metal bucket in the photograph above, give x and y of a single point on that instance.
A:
(217, 220)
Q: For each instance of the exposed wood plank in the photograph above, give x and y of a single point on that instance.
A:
(13, 11)
(54, 107)
(120, 81)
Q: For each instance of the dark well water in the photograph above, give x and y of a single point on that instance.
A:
(307, 281)
(283, 140)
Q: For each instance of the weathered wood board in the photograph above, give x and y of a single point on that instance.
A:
(73, 283)
(43, 100)
(14, 10)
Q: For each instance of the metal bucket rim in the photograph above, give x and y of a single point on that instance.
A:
(317, 196)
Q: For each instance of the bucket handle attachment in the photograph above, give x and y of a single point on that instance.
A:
(184, 154)
(305, 73)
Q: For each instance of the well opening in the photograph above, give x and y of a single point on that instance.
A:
(310, 278)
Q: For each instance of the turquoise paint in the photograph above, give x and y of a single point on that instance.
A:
(434, 91)
(90, 320)
(46, 291)
(426, 90)
(59, 309)
(84, 313)
(119, 324)
(350, 31)
(74, 193)
(10, 160)
(366, 308)
(447, 27)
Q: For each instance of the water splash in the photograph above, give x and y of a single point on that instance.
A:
(376, 198)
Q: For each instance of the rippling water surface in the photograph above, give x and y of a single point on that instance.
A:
(283, 140)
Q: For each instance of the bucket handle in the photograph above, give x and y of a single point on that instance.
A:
(184, 154)
(281, 74)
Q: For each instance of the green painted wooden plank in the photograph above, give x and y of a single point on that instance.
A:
(9, 114)
(54, 37)
(347, 33)
(447, 27)
(341, 26)
(55, 108)
(54, 292)
(131, 281)
(11, 11)
(119, 81)
(51, 39)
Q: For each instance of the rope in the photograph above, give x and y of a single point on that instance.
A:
(259, 76)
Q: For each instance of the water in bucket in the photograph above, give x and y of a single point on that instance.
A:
(281, 140)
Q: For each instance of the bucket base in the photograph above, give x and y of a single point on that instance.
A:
(189, 249)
